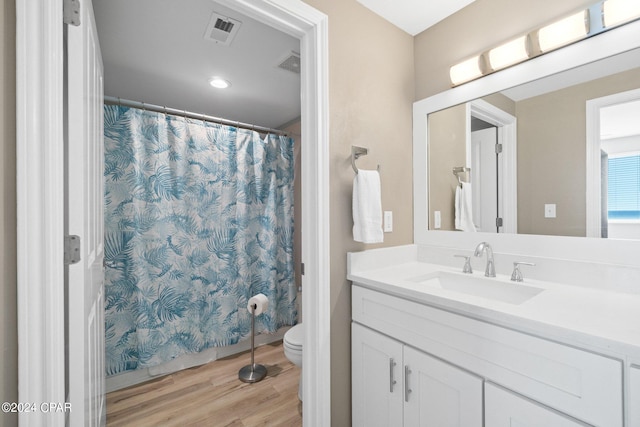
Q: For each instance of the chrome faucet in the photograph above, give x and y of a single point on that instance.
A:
(490, 271)
(517, 276)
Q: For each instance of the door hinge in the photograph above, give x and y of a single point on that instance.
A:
(498, 148)
(498, 222)
(302, 268)
(71, 12)
(71, 250)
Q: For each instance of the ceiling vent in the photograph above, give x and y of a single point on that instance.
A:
(291, 62)
(222, 29)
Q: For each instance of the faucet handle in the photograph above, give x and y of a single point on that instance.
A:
(517, 276)
(467, 263)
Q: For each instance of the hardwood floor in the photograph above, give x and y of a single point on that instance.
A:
(212, 395)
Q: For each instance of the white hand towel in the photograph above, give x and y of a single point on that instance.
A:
(464, 208)
(367, 207)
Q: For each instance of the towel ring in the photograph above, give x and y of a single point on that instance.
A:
(356, 153)
(458, 170)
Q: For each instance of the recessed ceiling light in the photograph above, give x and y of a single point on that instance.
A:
(219, 83)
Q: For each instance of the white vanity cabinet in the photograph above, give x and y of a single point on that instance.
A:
(440, 394)
(506, 409)
(396, 385)
(634, 396)
(377, 381)
(561, 384)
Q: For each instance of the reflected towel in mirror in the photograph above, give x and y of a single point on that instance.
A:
(463, 208)
(367, 207)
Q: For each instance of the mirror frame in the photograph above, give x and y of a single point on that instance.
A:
(594, 48)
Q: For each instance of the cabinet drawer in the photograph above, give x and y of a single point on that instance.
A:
(579, 383)
(505, 409)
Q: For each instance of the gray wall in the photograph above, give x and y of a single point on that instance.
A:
(481, 25)
(447, 149)
(370, 103)
(552, 155)
(8, 320)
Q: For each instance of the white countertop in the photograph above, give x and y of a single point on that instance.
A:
(598, 320)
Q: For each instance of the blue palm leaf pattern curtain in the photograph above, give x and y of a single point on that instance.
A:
(198, 218)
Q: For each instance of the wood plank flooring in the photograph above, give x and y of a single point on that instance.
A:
(211, 395)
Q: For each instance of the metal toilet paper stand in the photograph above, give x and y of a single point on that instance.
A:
(252, 373)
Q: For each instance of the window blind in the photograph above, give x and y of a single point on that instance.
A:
(623, 197)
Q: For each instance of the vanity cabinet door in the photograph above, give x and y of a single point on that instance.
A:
(505, 409)
(376, 372)
(438, 394)
(634, 396)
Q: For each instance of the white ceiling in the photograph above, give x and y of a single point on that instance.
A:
(154, 51)
(620, 121)
(415, 16)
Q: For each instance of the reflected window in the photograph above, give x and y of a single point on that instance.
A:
(623, 187)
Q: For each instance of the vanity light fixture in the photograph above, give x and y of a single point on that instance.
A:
(219, 83)
(509, 53)
(615, 12)
(564, 31)
(553, 36)
(465, 71)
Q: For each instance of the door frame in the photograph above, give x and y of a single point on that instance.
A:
(40, 200)
(593, 178)
(507, 166)
(40, 207)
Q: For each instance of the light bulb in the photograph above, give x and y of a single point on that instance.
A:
(219, 83)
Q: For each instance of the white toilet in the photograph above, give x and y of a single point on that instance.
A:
(292, 344)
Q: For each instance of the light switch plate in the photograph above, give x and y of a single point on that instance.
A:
(437, 219)
(388, 221)
(550, 210)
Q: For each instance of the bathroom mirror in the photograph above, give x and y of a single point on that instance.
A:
(558, 120)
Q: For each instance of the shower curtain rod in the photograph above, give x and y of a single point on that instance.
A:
(197, 116)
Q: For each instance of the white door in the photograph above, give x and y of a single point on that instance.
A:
(505, 409)
(376, 373)
(85, 193)
(441, 395)
(484, 179)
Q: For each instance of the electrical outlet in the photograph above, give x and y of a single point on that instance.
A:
(388, 221)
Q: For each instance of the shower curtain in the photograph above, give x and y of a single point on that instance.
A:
(198, 218)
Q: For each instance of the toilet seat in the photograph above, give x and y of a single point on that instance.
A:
(294, 337)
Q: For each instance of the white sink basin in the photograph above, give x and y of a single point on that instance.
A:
(484, 287)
